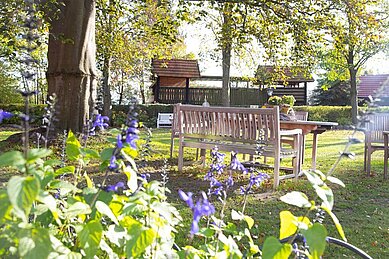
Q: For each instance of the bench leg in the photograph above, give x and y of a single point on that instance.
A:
(171, 146)
(297, 161)
(180, 156)
(276, 172)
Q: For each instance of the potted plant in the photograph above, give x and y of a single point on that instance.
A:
(287, 102)
(274, 100)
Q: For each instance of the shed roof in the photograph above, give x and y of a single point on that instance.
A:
(293, 74)
(176, 68)
(369, 84)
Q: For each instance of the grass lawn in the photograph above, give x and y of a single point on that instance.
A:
(362, 206)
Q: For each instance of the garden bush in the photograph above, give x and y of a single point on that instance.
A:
(148, 113)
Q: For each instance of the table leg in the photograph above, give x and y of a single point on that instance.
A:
(314, 150)
(386, 151)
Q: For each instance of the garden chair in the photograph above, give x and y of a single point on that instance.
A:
(374, 138)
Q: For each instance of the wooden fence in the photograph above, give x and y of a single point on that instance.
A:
(238, 96)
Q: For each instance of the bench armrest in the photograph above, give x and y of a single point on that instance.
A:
(290, 132)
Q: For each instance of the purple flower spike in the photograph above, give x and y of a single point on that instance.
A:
(235, 164)
(113, 166)
(5, 115)
(230, 182)
(186, 197)
(115, 187)
(119, 142)
(100, 122)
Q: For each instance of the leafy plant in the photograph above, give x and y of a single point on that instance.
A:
(274, 100)
(288, 100)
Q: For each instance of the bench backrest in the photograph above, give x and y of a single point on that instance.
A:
(378, 122)
(229, 123)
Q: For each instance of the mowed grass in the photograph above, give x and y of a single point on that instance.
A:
(362, 206)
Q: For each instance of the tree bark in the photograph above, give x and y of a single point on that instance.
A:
(226, 46)
(71, 63)
(226, 74)
(107, 100)
(353, 95)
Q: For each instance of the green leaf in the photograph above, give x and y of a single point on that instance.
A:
(78, 208)
(273, 249)
(50, 203)
(72, 147)
(34, 243)
(5, 205)
(325, 193)
(90, 237)
(132, 178)
(288, 224)
(12, 158)
(65, 170)
(336, 222)
(34, 154)
(22, 192)
(105, 210)
(249, 220)
(65, 187)
(316, 239)
(140, 238)
(106, 154)
(335, 180)
(313, 178)
(298, 199)
(90, 153)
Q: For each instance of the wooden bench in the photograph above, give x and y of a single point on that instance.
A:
(164, 120)
(235, 129)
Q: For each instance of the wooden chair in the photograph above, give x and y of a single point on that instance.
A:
(374, 138)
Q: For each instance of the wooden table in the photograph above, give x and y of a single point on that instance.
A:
(386, 153)
(315, 127)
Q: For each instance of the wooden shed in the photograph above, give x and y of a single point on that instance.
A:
(285, 81)
(174, 73)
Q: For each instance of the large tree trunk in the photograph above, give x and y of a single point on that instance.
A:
(107, 100)
(226, 75)
(353, 95)
(226, 53)
(72, 68)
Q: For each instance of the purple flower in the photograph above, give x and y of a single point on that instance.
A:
(131, 139)
(119, 143)
(254, 180)
(5, 115)
(115, 187)
(230, 182)
(100, 122)
(218, 168)
(132, 133)
(219, 157)
(215, 187)
(113, 166)
(202, 208)
(145, 177)
(187, 198)
(235, 164)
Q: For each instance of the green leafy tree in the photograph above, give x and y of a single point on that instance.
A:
(285, 30)
(337, 94)
(8, 86)
(358, 30)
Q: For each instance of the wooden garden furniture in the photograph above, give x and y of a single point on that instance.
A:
(239, 130)
(375, 127)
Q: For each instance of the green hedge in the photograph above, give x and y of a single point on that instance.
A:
(36, 113)
(148, 113)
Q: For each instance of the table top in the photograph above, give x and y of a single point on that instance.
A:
(318, 123)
